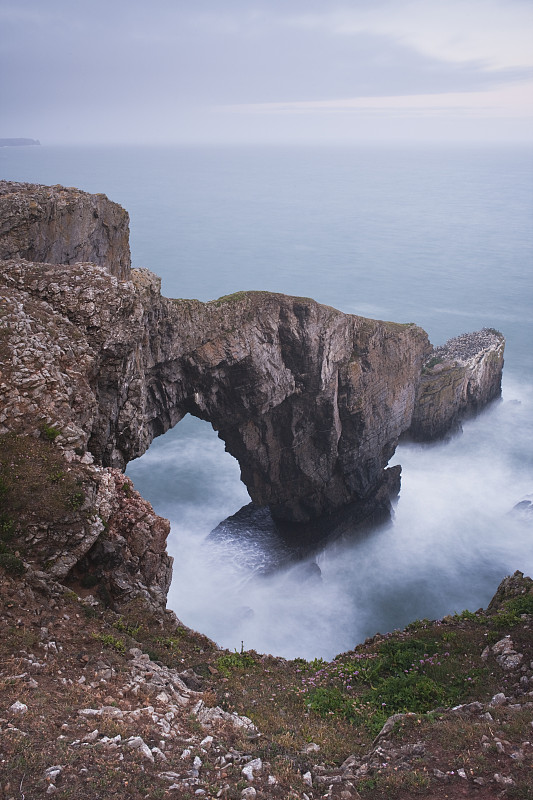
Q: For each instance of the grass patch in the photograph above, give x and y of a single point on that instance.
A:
(403, 674)
(49, 432)
(124, 627)
(433, 362)
(510, 613)
(230, 662)
(108, 640)
(12, 564)
(35, 482)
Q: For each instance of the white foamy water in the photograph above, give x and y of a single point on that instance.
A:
(452, 540)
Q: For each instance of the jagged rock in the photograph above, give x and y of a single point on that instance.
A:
(211, 717)
(138, 743)
(18, 708)
(62, 226)
(499, 699)
(457, 379)
(251, 768)
(512, 586)
(309, 400)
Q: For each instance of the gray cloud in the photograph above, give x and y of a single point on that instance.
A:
(76, 67)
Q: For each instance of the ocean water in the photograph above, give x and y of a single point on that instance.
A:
(438, 236)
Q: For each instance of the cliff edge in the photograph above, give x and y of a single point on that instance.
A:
(95, 362)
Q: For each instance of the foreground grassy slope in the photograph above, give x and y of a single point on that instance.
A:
(60, 653)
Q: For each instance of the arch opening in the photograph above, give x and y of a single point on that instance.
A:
(189, 477)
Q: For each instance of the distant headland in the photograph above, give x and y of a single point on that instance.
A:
(18, 142)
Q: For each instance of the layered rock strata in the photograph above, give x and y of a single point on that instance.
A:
(61, 226)
(310, 401)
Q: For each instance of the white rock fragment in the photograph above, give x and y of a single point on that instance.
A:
(51, 774)
(208, 717)
(503, 780)
(89, 712)
(138, 743)
(169, 776)
(256, 765)
(307, 779)
(159, 754)
(498, 699)
(18, 707)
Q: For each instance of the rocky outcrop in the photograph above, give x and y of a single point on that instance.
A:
(61, 226)
(512, 587)
(309, 400)
(458, 379)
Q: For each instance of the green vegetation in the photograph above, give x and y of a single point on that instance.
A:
(49, 433)
(122, 626)
(230, 662)
(403, 674)
(510, 613)
(11, 564)
(35, 482)
(230, 298)
(108, 640)
(433, 362)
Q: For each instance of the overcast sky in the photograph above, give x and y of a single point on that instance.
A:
(266, 70)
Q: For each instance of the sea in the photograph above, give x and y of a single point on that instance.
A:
(441, 236)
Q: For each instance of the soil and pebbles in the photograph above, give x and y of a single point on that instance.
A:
(86, 712)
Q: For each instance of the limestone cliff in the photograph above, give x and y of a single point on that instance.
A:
(61, 226)
(310, 401)
(458, 379)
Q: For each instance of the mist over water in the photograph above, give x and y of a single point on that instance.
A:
(452, 540)
(438, 236)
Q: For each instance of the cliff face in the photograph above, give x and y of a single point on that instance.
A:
(309, 400)
(61, 226)
(458, 379)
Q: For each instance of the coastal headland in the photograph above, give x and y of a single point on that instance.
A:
(94, 363)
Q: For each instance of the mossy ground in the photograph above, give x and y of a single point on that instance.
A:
(35, 481)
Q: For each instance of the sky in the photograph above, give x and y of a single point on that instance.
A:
(266, 71)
